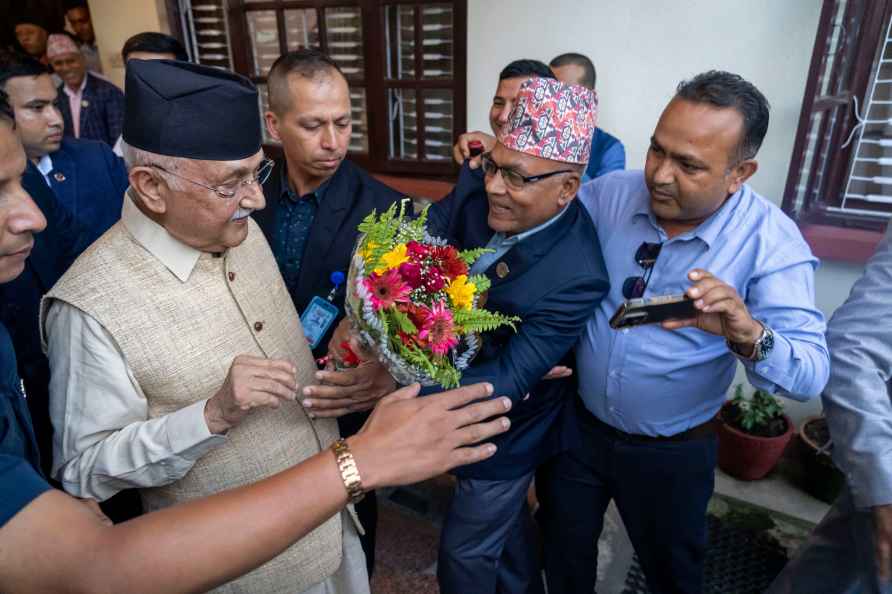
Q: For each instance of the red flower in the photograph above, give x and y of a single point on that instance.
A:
(406, 339)
(446, 259)
(350, 359)
(417, 252)
(411, 273)
(433, 281)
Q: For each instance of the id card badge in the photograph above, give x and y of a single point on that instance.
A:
(317, 319)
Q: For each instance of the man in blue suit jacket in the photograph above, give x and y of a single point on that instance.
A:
(546, 268)
(86, 176)
(89, 180)
(91, 106)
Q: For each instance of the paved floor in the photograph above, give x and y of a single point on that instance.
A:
(749, 544)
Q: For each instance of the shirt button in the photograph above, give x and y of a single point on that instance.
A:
(231, 276)
(258, 326)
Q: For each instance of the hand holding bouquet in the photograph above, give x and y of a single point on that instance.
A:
(412, 300)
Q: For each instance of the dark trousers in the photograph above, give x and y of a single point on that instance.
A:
(487, 542)
(661, 489)
(367, 509)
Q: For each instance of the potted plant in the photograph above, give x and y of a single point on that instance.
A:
(753, 433)
(820, 476)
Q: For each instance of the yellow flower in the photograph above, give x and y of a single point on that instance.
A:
(393, 258)
(461, 292)
(366, 252)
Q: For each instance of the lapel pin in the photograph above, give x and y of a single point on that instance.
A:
(59, 176)
(502, 270)
(85, 103)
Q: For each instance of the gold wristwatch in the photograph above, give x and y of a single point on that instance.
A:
(349, 471)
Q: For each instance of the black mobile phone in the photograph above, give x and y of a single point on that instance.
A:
(636, 312)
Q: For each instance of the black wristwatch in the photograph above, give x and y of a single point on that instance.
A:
(761, 348)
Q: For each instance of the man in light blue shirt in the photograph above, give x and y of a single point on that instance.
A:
(649, 395)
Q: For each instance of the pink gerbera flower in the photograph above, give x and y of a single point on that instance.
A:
(438, 330)
(387, 289)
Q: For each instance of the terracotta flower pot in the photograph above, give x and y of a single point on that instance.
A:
(749, 457)
(821, 477)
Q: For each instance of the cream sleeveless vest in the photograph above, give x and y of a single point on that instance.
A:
(179, 340)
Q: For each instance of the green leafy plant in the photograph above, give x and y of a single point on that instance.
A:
(760, 414)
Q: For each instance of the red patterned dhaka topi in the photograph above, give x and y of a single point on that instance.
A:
(552, 120)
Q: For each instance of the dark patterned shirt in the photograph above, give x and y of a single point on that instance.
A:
(294, 219)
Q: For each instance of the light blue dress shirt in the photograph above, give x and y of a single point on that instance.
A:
(651, 381)
(501, 243)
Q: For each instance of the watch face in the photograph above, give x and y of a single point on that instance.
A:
(765, 344)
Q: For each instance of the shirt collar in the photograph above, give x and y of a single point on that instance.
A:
(45, 166)
(289, 193)
(176, 256)
(80, 90)
(707, 231)
(518, 237)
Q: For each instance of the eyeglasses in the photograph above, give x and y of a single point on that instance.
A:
(260, 176)
(513, 179)
(646, 256)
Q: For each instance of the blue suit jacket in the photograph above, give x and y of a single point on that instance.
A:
(555, 280)
(89, 180)
(55, 248)
(608, 154)
(102, 111)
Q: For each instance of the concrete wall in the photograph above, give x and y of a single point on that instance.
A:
(642, 49)
(114, 21)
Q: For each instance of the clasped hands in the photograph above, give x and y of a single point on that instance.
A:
(347, 389)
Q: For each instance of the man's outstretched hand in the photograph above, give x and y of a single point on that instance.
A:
(409, 439)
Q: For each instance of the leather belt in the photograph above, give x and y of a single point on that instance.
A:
(700, 431)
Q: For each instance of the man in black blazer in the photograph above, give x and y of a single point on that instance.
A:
(315, 199)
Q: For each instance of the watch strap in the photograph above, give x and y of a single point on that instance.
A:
(349, 471)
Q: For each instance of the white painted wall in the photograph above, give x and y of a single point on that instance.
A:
(115, 21)
(642, 49)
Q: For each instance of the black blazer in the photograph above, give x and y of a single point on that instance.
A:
(555, 280)
(351, 195)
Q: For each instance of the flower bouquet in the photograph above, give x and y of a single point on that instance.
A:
(412, 300)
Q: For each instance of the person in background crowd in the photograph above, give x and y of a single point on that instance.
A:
(316, 198)
(78, 15)
(206, 542)
(39, 128)
(851, 549)
(87, 178)
(510, 79)
(201, 349)
(31, 35)
(688, 224)
(92, 108)
(608, 153)
(151, 46)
